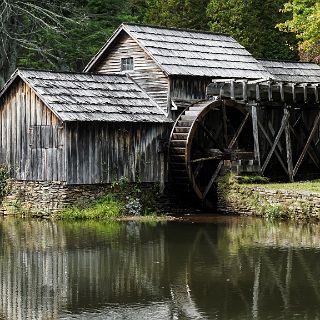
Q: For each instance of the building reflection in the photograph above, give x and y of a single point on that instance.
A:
(227, 270)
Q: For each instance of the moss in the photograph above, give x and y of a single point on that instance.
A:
(243, 198)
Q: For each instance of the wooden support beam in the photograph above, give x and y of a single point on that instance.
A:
(273, 132)
(276, 141)
(274, 145)
(288, 146)
(230, 145)
(313, 147)
(236, 136)
(305, 93)
(316, 92)
(198, 169)
(270, 143)
(225, 125)
(244, 90)
(270, 91)
(212, 180)
(299, 139)
(293, 88)
(232, 93)
(281, 91)
(303, 153)
(255, 130)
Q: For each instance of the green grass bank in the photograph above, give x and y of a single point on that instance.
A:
(256, 196)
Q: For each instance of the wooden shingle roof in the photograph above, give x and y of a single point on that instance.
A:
(191, 53)
(295, 72)
(91, 97)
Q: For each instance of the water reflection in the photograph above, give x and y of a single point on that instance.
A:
(221, 268)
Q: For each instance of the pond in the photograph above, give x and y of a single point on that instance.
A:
(200, 268)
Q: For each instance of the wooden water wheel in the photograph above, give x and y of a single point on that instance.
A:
(207, 135)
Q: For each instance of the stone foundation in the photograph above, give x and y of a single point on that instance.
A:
(45, 198)
(260, 201)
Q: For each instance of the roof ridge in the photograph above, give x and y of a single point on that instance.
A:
(290, 61)
(73, 72)
(175, 28)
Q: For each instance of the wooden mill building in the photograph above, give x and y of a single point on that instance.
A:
(161, 104)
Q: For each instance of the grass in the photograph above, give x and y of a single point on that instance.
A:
(106, 207)
(312, 186)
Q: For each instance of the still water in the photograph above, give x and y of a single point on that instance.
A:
(203, 268)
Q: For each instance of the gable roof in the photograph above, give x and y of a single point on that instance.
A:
(91, 97)
(297, 72)
(190, 52)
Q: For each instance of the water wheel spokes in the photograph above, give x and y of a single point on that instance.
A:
(202, 139)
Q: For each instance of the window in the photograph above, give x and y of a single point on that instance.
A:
(126, 64)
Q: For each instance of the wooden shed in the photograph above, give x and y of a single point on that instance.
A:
(80, 128)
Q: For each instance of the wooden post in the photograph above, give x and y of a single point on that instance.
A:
(276, 141)
(293, 88)
(281, 91)
(255, 130)
(270, 91)
(288, 145)
(225, 124)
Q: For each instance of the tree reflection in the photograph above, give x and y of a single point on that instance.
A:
(229, 269)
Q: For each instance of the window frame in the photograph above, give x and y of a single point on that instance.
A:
(127, 64)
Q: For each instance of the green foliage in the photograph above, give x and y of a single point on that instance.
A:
(304, 21)
(93, 22)
(178, 13)
(252, 179)
(252, 23)
(105, 207)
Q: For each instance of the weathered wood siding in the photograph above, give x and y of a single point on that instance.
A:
(189, 88)
(31, 142)
(102, 153)
(146, 72)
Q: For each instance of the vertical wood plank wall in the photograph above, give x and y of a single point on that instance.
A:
(102, 153)
(29, 152)
(146, 72)
(189, 88)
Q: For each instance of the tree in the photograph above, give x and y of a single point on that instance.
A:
(95, 22)
(305, 23)
(178, 13)
(252, 23)
(20, 22)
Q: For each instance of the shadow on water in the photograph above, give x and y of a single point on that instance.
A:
(202, 268)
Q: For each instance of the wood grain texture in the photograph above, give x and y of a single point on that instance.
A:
(30, 145)
(102, 153)
(146, 73)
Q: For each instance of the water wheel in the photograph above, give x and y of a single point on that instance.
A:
(206, 136)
